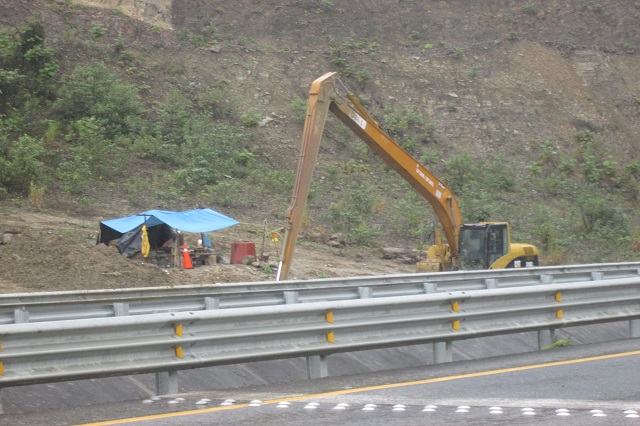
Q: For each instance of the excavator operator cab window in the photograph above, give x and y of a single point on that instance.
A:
(472, 247)
(482, 244)
(497, 242)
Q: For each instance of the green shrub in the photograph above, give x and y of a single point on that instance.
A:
(553, 237)
(610, 167)
(215, 102)
(271, 181)
(398, 123)
(27, 66)
(21, 164)
(228, 192)
(410, 217)
(477, 206)
(534, 168)
(633, 169)
(597, 212)
(460, 171)
(497, 175)
(530, 8)
(244, 157)
(356, 166)
(92, 90)
(428, 134)
(36, 195)
(173, 118)
(359, 75)
(298, 109)
(251, 118)
(208, 152)
(567, 165)
(592, 172)
(98, 31)
(556, 185)
(92, 154)
(350, 213)
(364, 234)
(407, 144)
(336, 57)
(548, 154)
(429, 157)
(586, 138)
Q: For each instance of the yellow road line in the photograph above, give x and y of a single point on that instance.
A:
(369, 388)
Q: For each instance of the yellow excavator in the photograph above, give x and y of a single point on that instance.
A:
(484, 245)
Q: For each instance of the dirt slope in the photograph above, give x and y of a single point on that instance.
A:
(57, 252)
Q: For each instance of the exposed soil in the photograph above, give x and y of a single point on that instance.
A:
(56, 252)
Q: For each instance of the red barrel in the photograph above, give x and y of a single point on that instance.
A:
(240, 249)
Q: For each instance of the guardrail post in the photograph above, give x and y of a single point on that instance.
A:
(211, 303)
(365, 292)
(317, 366)
(21, 315)
(597, 276)
(634, 328)
(546, 338)
(443, 352)
(167, 382)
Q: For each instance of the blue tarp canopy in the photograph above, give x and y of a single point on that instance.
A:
(199, 220)
(161, 225)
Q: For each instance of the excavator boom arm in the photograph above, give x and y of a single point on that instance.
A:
(317, 111)
(439, 196)
(322, 99)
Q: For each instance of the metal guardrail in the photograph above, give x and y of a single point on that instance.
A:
(58, 306)
(80, 349)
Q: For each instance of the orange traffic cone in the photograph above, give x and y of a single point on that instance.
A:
(186, 262)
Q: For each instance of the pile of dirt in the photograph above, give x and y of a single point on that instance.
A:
(55, 252)
(38, 260)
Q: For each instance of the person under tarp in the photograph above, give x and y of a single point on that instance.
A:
(206, 242)
(131, 242)
(127, 231)
(145, 242)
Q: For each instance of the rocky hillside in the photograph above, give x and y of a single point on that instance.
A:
(530, 110)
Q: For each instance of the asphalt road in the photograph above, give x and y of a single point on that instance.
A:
(582, 385)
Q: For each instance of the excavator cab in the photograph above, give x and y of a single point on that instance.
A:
(488, 246)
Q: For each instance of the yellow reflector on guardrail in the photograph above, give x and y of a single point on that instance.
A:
(331, 337)
(179, 352)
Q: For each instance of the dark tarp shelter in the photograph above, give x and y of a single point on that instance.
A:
(161, 227)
